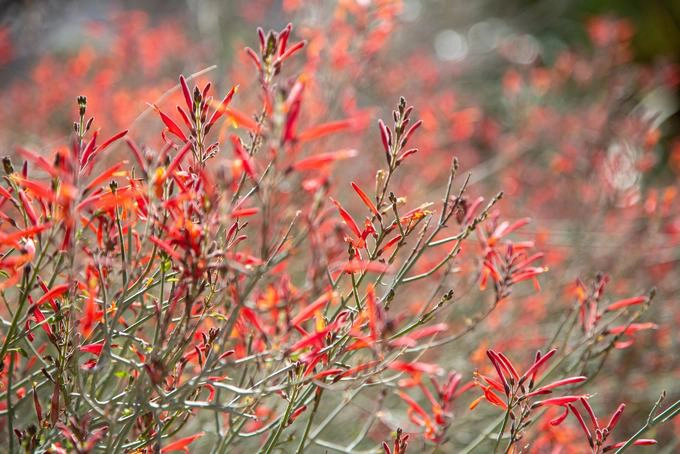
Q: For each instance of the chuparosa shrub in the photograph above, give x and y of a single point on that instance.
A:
(226, 291)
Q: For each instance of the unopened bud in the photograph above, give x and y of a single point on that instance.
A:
(7, 165)
(82, 105)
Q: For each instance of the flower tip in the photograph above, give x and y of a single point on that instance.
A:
(645, 442)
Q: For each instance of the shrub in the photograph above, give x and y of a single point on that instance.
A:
(227, 289)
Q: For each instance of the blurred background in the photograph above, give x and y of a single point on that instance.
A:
(570, 107)
(165, 37)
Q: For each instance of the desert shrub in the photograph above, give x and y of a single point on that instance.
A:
(248, 271)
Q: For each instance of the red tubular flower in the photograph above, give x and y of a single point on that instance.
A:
(36, 189)
(556, 401)
(416, 367)
(178, 158)
(590, 412)
(182, 444)
(28, 208)
(626, 302)
(531, 372)
(12, 239)
(54, 293)
(241, 119)
(528, 273)
(507, 365)
(328, 373)
(222, 107)
(355, 370)
(185, 117)
(116, 170)
(244, 157)
(615, 417)
(597, 436)
(91, 152)
(490, 381)
(436, 421)
(309, 310)
(410, 339)
(166, 247)
(325, 129)
(367, 201)
(39, 160)
(297, 412)
(582, 423)
(356, 266)
(186, 93)
(499, 371)
(95, 348)
(557, 384)
(310, 339)
(415, 407)
(372, 311)
(632, 328)
(171, 125)
(493, 399)
(400, 443)
(41, 320)
(640, 442)
(385, 136)
(244, 212)
(137, 153)
(289, 53)
(323, 159)
(410, 132)
(513, 385)
(557, 421)
(349, 221)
